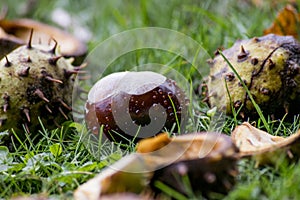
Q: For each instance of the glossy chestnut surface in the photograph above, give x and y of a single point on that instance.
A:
(134, 105)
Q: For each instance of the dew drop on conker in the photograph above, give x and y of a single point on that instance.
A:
(129, 106)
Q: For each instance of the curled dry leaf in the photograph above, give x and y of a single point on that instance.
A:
(43, 33)
(265, 148)
(197, 154)
(286, 22)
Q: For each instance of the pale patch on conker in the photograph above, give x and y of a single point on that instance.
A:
(134, 83)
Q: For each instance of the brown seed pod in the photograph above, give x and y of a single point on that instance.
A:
(127, 103)
(214, 172)
(46, 34)
(268, 66)
(207, 160)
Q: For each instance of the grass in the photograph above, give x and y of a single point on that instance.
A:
(59, 162)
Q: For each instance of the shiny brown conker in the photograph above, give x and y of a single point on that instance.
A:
(129, 106)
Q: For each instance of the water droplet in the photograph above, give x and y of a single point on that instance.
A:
(137, 111)
(154, 97)
(170, 94)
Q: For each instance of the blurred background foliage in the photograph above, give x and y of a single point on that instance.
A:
(213, 23)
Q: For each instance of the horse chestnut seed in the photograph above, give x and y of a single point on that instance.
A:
(129, 106)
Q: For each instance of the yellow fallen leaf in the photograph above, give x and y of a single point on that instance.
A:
(286, 22)
(263, 147)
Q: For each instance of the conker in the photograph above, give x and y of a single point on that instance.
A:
(129, 106)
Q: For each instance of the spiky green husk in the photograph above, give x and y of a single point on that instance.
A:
(269, 67)
(34, 82)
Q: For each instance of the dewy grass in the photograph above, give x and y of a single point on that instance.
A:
(48, 165)
(212, 23)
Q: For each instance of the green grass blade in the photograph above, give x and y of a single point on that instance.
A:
(259, 111)
(170, 191)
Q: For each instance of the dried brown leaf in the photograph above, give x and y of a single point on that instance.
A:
(286, 22)
(45, 34)
(8, 43)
